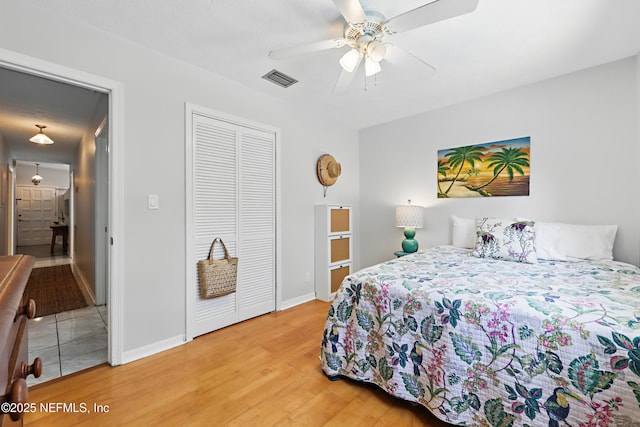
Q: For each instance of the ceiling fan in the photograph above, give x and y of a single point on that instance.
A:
(365, 31)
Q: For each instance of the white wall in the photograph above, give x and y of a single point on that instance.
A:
(85, 197)
(52, 176)
(4, 195)
(156, 88)
(638, 106)
(584, 159)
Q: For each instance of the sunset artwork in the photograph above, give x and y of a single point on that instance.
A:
(499, 168)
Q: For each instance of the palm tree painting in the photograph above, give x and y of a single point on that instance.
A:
(499, 168)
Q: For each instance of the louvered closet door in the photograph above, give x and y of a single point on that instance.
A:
(234, 198)
(214, 211)
(257, 223)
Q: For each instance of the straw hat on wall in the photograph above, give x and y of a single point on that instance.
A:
(328, 171)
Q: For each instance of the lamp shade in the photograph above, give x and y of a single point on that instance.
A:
(409, 216)
(351, 60)
(371, 67)
(40, 137)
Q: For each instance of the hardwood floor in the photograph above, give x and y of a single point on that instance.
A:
(262, 372)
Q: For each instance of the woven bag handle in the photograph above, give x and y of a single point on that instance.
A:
(213, 244)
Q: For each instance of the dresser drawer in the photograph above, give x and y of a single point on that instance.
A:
(14, 352)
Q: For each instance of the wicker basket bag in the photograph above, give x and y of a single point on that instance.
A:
(217, 277)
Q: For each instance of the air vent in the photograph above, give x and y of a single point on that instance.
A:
(279, 78)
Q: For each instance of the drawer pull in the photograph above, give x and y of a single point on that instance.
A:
(34, 369)
(29, 310)
(19, 393)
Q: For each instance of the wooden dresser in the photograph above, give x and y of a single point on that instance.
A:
(14, 313)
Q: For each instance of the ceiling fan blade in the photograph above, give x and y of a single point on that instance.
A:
(438, 10)
(345, 79)
(304, 49)
(351, 10)
(407, 62)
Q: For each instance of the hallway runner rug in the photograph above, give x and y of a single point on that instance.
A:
(54, 289)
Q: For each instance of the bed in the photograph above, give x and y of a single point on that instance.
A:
(489, 341)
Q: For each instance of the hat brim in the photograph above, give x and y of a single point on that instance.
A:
(322, 170)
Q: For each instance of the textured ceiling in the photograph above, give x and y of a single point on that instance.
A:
(502, 44)
(27, 100)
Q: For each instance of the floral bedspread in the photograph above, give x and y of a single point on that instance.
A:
(493, 343)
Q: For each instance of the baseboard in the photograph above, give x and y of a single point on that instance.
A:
(169, 343)
(297, 301)
(89, 296)
(151, 349)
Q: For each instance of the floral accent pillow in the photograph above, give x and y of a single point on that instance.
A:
(505, 239)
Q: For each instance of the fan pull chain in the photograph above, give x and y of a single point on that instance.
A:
(375, 81)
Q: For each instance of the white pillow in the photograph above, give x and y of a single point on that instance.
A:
(463, 233)
(594, 242)
(549, 243)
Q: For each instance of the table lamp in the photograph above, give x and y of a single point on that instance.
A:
(410, 217)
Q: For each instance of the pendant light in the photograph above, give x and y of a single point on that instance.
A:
(36, 179)
(40, 137)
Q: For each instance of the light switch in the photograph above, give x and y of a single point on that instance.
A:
(152, 201)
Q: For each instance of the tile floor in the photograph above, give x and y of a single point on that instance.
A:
(66, 342)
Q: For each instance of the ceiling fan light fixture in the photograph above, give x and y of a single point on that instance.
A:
(371, 67)
(376, 50)
(364, 33)
(350, 60)
(40, 137)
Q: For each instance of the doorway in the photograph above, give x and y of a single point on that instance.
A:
(114, 203)
(42, 212)
(69, 334)
(41, 204)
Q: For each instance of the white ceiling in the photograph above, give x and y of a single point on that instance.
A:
(27, 100)
(502, 44)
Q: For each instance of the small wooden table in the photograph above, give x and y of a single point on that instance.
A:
(60, 230)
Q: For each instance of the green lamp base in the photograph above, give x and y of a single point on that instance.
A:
(409, 244)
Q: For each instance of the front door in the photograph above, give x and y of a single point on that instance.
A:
(36, 210)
